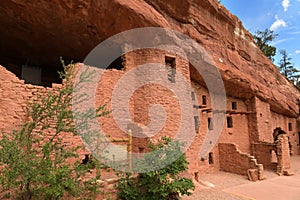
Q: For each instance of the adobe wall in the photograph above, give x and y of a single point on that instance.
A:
(265, 154)
(148, 95)
(103, 95)
(234, 161)
(204, 113)
(289, 125)
(238, 134)
(283, 155)
(263, 121)
(142, 98)
(14, 97)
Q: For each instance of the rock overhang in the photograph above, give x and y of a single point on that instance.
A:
(40, 32)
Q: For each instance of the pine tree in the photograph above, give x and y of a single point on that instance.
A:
(287, 69)
(262, 39)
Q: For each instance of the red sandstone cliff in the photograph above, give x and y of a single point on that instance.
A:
(43, 30)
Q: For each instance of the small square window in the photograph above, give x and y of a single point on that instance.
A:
(210, 124)
(171, 66)
(193, 96)
(233, 105)
(204, 100)
(290, 126)
(196, 120)
(211, 158)
(229, 122)
(141, 150)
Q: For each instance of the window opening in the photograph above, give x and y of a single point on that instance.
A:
(211, 158)
(210, 124)
(204, 100)
(170, 63)
(290, 126)
(193, 96)
(229, 122)
(196, 120)
(233, 105)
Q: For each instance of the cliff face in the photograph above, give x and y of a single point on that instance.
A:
(40, 31)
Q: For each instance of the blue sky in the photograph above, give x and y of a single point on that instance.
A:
(281, 16)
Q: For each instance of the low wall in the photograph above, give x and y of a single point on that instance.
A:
(234, 161)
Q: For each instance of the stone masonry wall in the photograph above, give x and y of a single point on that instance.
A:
(238, 134)
(14, 97)
(265, 154)
(232, 160)
(289, 125)
(263, 115)
(283, 155)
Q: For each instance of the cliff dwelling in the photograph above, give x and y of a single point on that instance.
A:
(261, 127)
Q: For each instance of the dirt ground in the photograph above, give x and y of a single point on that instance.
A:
(235, 187)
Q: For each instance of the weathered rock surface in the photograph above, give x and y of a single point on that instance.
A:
(41, 31)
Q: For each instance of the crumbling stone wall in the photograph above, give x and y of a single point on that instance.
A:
(275, 156)
(14, 96)
(234, 161)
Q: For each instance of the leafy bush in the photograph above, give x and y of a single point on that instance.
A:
(162, 183)
(35, 162)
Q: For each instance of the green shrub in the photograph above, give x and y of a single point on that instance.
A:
(34, 164)
(164, 183)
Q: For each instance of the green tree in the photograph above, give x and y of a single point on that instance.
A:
(287, 69)
(263, 39)
(33, 160)
(164, 183)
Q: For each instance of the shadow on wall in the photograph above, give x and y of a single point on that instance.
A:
(35, 75)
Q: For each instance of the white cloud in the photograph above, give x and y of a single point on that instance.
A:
(285, 4)
(278, 23)
(297, 51)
